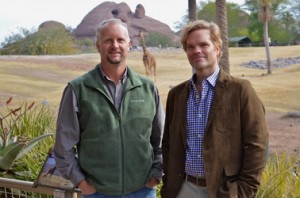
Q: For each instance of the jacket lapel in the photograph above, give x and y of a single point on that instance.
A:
(219, 91)
(182, 111)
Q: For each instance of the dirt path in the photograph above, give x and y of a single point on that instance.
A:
(284, 132)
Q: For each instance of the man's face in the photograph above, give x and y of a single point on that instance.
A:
(113, 45)
(201, 52)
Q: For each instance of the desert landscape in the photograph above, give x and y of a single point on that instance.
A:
(43, 78)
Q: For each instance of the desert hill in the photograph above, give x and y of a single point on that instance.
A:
(135, 21)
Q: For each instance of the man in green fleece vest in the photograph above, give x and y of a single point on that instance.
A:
(110, 124)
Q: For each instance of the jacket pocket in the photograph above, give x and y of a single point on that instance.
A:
(226, 119)
(229, 188)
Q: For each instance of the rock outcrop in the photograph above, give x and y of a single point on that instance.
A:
(135, 21)
(51, 25)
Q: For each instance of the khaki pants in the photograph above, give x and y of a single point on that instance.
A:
(190, 190)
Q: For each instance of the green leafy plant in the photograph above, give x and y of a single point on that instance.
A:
(156, 39)
(18, 133)
(281, 177)
(44, 41)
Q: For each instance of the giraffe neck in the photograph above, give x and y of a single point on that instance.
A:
(143, 44)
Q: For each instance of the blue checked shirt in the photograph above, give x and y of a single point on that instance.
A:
(197, 115)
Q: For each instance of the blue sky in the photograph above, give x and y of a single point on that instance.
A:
(31, 13)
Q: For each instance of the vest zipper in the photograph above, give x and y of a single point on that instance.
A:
(123, 158)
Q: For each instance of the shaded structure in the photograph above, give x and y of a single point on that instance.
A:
(241, 41)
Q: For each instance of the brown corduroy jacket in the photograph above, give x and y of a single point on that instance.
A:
(235, 142)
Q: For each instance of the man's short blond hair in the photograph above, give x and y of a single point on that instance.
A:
(215, 34)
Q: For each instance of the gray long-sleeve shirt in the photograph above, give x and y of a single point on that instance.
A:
(68, 131)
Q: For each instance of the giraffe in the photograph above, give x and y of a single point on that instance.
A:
(148, 59)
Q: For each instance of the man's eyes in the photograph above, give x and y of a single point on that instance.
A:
(112, 41)
(202, 46)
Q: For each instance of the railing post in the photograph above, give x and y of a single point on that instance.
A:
(64, 194)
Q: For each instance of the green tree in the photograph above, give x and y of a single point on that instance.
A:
(237, 18)
(14, 37)
(281, 31)
(86, 45)
(156, 39)
(294, 8)
(207, 11)
(44, 41)
(290, 20)
(283, 27)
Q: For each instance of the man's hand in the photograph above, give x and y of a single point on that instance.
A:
(86, 188)
(152, 183)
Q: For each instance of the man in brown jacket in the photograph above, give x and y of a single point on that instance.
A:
(215, 139)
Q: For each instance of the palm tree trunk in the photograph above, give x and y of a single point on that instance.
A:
(265, 16)
(192, 15)
(267, 46)
(192, 10)
(221, 11)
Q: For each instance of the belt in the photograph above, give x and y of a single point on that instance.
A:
(195, 180)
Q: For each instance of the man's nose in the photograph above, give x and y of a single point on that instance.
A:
(115, 43)
(198, 49)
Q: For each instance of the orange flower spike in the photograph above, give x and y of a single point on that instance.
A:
(15, 111)
(31, 105)
(9, 100)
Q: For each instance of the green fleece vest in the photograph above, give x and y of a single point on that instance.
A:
(114, 149)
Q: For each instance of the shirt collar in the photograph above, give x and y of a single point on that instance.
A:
(212, 79)
(105, 77)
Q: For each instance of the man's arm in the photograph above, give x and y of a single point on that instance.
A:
(166, 143)
(255, 142)
(156, 138)
(67, 136)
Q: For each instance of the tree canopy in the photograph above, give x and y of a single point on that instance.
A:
(45, 41)
(243, 20)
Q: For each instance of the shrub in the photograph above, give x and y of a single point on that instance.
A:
(156, 39)
(42, 42)
(281, 177)
(21, 130)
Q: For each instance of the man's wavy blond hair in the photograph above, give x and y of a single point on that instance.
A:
(215, 34)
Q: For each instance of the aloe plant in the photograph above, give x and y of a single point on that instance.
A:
(13, 143)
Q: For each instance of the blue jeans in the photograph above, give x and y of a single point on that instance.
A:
(142, 193)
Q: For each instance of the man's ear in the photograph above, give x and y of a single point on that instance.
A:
(129, 45)
(218, 50)
(98, 47)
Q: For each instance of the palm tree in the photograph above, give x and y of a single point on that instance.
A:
(221, 13)
(192, 15)
(192, 10)
(265, 16)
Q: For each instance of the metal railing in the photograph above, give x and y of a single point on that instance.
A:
(13, 188)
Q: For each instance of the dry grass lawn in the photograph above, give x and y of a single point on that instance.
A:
(44, 77)
(38, 78)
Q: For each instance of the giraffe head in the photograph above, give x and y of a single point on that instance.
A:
(141, 33)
